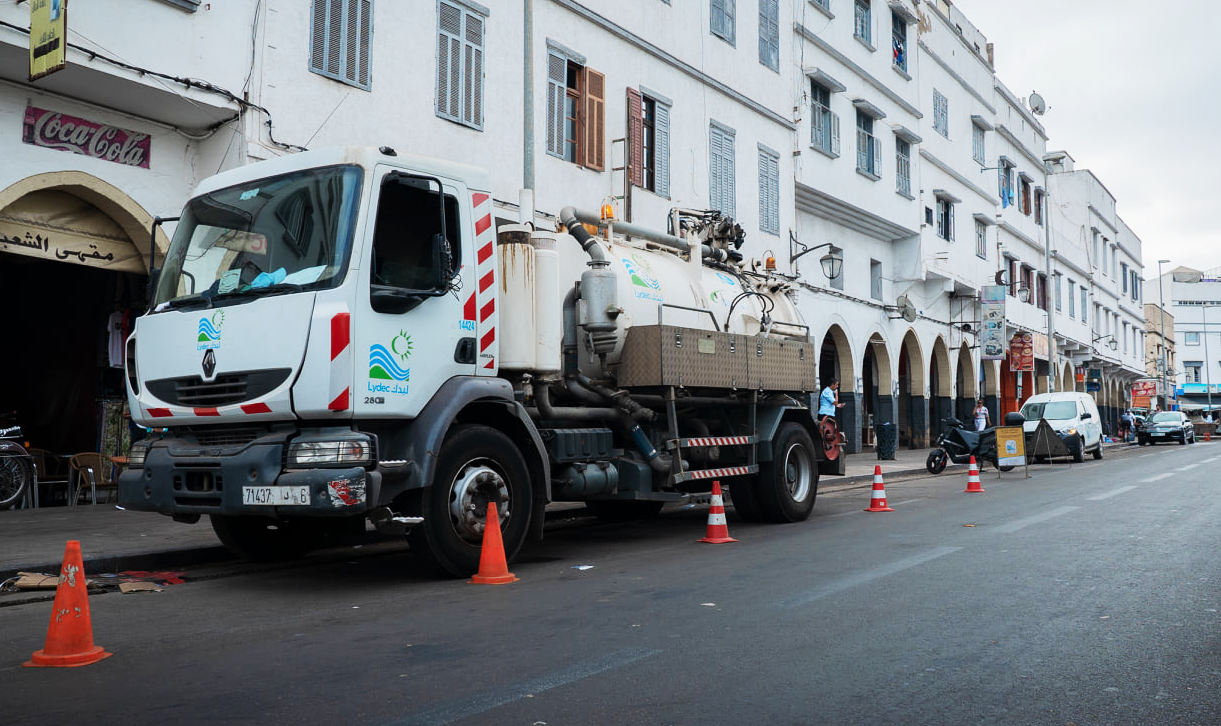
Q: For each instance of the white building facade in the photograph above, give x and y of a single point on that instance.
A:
(872, 130)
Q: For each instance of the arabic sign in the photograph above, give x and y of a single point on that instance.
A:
(48, 36)
(1021, 352)
(55, 130)
(992, 316)
(1010, 446)
(72, 247)
(1144, 388)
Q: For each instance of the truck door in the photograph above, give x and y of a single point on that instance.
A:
(410, 334)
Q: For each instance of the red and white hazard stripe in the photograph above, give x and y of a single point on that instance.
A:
(341, 362)
(716, 441)
(712, 473)
(483, 301)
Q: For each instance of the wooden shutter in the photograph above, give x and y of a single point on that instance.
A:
(635, 137)
(661, 149)
(730, 23)
(334, 36)
(317, 60)
(365, 38)
(557, 68)
(595, 120)
(449, 44)
(472, 72)
(716, 17)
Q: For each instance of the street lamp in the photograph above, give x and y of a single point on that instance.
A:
(1161, 303)
(832, 263)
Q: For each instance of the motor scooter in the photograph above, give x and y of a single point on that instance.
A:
(16, 465)
(958, 444)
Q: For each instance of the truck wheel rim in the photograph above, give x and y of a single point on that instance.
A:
(477, 483)
(797, 472)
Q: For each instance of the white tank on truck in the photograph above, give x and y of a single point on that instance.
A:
(343, 334)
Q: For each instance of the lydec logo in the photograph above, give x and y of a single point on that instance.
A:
(384, 362)
(209, 331)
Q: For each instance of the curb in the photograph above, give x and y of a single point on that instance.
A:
(116, 563)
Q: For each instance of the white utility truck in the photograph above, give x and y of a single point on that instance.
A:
(345, 334)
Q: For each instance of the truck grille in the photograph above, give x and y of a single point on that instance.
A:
(218, 438)
(225, 390)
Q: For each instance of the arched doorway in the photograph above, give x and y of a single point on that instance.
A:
(1066, 383)
(990, 377)
(73, 259)
(965, 384)
(878, 401)
(912, 401)
(941, 400)
(835, 363)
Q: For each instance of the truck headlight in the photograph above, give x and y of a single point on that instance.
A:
(323, 453)
(137, 453)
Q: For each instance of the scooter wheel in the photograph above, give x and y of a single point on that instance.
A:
(935, 464)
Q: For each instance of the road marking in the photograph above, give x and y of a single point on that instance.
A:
(488, 700)
(1144, 455)
(1020, 523)
(863, 578)
(1189, 467)
(1108, 495)
(1209, 461)
(1152, 479)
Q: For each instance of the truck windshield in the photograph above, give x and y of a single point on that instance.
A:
(271, 236)
(1051, 410)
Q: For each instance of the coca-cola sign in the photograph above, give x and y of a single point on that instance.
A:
(56, 130)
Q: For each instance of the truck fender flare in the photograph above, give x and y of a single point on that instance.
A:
(479, 400)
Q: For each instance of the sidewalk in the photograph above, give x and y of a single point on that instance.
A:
(113, 540)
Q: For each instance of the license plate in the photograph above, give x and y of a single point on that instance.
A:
(276, 496)
(1157, 433)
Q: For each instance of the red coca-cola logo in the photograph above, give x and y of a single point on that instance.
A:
(54, 130)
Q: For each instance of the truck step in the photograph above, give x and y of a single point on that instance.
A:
(724, 472)
(711, 441)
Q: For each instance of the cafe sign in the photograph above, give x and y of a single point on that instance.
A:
(54, 130)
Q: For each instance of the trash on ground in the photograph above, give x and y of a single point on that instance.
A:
(582, 567)
(161, 578)
(141, 586)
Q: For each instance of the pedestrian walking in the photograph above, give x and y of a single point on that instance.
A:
(982, 415)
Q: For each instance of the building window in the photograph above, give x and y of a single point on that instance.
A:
(1038, 206)
(903, 167)
(838, 282)
(720, 169)
(898, 40)
(648, 142)
(1135, 280)
(1192, 368)
(1191, 338)
(977, 143)
(1057, 292)
(722, 14)
(1072, 299)
(824, 125)
(769, 191)
(769, 33)
(981, 239)
(460, 64)
(1006, 184)
(340, 38)
(1041, 290)
(868, 148)
(824, 4)
(875, 279)
(941, 114)
(1124, 267)
(1024, 200)
(576, 108)
(863, 22)
(945, 219)
(1084, 302)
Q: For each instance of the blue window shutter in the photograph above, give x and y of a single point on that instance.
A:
(661, 150)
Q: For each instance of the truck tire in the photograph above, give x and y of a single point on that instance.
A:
(788, 484)
(477, 465)
(263, 539)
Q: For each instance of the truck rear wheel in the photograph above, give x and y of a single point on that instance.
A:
(264, 539)
(744, 495)
(477, 465)
(788, 483)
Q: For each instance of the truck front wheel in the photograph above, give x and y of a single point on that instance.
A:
(477, 465)
(264, 539)
(788, 483)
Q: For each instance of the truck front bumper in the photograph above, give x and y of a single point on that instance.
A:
(249, 482)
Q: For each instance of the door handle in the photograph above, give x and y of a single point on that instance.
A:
(465, 352)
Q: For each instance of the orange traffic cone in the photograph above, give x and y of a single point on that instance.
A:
(718, 531)
(70, 635)
(877, 500)
(493, 570)
(973, 478)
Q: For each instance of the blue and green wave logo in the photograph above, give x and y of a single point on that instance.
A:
(384, 362)
(209, 330)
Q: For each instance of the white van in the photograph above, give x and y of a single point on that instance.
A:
(1073, 415)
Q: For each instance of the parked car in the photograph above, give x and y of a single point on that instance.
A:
(1072, 414)
(1167, 426)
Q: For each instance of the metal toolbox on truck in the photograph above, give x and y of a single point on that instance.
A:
(669, 355)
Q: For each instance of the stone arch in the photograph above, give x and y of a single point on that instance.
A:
(114, 203)
(941, 386)
(1067, 380)
(912, 397)
(835, 361)
(877, 382)
(991, 378)
(965, 386)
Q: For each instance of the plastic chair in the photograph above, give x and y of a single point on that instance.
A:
(47, 467)
(90, 469)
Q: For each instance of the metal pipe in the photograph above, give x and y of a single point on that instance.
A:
(1161, 304)
(527, 171)
(1051, 309)
(652, 235)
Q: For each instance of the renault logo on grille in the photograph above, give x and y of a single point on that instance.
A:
(209, 363)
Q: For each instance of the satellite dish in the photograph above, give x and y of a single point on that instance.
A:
(1037, 104)
(906, 309)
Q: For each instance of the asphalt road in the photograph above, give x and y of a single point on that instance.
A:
(1083, 595)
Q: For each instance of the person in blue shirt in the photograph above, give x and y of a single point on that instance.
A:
(828, 402)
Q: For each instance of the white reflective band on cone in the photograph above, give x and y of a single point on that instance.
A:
(716, 518)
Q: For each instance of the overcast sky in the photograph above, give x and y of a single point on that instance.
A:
(1132, 92)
